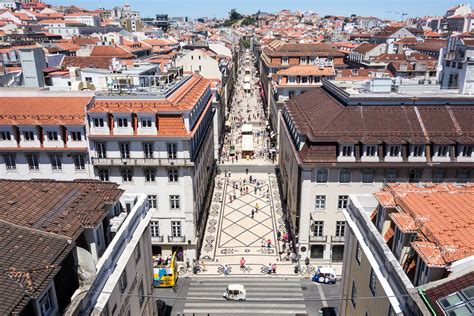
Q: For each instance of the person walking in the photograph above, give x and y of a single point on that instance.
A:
(226, 270)
(274, 268)
(269, 269)
(256, 207)
(253, 212)
(279, 235)
(242, 263)
(269, 243)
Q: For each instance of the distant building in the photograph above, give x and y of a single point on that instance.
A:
(162, 22)
(458, 65)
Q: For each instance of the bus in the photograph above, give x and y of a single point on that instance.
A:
(165, 272)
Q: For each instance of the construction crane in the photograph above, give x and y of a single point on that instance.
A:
(399, 13)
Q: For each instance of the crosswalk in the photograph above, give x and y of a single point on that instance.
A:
(265, 296)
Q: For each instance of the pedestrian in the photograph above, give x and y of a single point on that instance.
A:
(256, 207)
(255, 190)
(252, 212)
(279, 235)
(274, 268)
(264, 243)
(269, 269)
(204, 268)
(269, 243)
(242, 263)
(285, 237)
(226, 270)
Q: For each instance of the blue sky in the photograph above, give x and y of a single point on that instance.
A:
(220, 8)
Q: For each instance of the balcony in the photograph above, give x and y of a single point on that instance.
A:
(156, 239)
(337, 239)
(318, 238)
(165, 162)
(176, 238)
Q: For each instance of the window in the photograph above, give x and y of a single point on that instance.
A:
(123, 281)
(371, 151)
(368, 176)
(172, 151)
(33, 162)
(391, 175)
(345, 175)
(104, 174)
(5, 135)
(28, 136)
(414, 176)
(155, 228)
(337, 254)
(443, 151)
(394, 151)
(303, 60)
(320, 202)
(149, 175)
(317, 251)
(79, 162)
(462, 176)
(438, 175)
(10, 161)
(122, 122)
(152, 201)
(76, 136)
(141, 293)
(127, 175)
(340, 228)
(98, 122)
(176, 229)
(148, 150)
(312, 60)
(342, 201)
(354, 294)
(125, 150)
(372, 281)
(146, 122)
(466, 151)
(137, 253)
(418, 150)
(56, 163)
(46, 304)
(458, 303)
(101, 150)
(284, 60)
(358, 253)
(322, 176)
(317, 228)
(173, 175)
(52, 136)
(174, 202)
(347, 150)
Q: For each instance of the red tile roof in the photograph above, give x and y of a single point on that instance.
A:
(110, 51)
(443, 216)
(43, 110)
(64, 208)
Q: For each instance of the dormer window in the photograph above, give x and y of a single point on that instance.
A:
(5, 135)
(466, 151)
(442, 150)
(146, 122)
(284, 60)
(52, 136)
(418, 150)
(98, 122)
(313, 60)
(76, 136)
(122, 122)
(28, 136)
(303, 60)
(347, 150)
(371, 150)
(394, 150)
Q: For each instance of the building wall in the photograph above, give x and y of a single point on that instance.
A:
(196, 61)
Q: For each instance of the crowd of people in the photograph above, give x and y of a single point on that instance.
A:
(247, 107)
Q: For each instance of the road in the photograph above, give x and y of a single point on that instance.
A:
(265, 296)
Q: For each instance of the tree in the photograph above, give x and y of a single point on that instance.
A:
(234, 15)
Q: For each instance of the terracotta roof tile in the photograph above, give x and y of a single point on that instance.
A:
(41, 110)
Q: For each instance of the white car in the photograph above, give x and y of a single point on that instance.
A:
(235, 292)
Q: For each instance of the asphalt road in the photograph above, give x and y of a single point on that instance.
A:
(189, 298)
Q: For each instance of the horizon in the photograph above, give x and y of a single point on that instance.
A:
(220, 9)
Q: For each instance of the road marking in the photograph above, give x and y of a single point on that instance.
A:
(321, 294)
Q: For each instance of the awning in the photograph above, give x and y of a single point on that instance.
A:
(247, 86)
(247, 79)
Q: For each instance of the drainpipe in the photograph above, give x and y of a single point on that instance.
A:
(427, 301)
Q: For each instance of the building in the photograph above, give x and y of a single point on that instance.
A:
(78, 225)
(350, 138)
(290, 69)
(41, 138)
(400, 249)
(458, 65)
(90, 19)
(161, 146)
